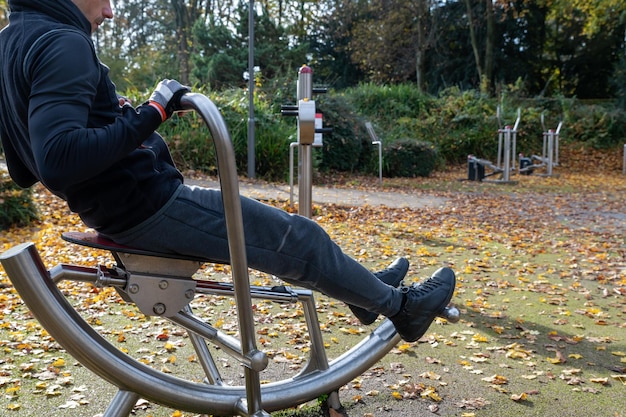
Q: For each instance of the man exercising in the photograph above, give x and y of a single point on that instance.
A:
(63, 124)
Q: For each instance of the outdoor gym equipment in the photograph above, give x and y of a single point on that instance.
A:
(310, 132)
(162, 286)
(379, 143)
(507, 138)
(550, 152)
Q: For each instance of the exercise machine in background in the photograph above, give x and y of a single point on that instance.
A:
(505, 163)
(549, 156)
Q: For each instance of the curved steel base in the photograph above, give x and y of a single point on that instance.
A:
(134, 379)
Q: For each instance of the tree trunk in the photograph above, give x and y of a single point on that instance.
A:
(421, 44)
(489, 46)
(474, 41)
(182, 27)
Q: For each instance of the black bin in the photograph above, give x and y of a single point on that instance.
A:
(525, 162)
(475, 171)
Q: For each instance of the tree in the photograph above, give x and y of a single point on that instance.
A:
(568, 47)
(474, 41)
(600, 15)
(451, 62)
(391, 39)
(330, 44)
(220, 53)
(423, 8)
(484, 67)
(519, 55)
(185, 16)
(218, 58)
(139, 43)
(580, 55)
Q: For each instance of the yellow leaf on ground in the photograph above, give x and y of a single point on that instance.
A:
(519, 397)
(602, 381)
(620, 378)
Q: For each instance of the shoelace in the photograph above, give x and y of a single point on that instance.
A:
(422, 288)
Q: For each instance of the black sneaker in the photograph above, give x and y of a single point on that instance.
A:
(422, 303)
(392, 275)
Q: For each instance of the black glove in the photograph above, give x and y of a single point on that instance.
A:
(166, 97)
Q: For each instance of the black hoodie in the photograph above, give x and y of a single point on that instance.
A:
(61, 122)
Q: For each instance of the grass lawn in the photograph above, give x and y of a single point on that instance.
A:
(541, 269)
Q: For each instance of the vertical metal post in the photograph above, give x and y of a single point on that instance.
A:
(380, 163)
(514, 140)
(500, 139)
(556, 143)
(550, 152)
(305, 194)
(251, 81)
(305, 154)
(506, 171)
(513, 152)
(376, 142)
(305, 83)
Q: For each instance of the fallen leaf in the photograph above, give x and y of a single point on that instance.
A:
(519, 397)
(601, 381)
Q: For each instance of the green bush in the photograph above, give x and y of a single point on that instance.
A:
(409, 158)
(192, 148)
(190, 143)
(457, 123)
(272, 139)
(347, 148)
(387, 103)
(599, 126)
(17, 207)
(272, 134)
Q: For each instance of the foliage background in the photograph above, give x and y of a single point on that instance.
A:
(573, 48)
(541, 267)
(433, 72)
(455, 123)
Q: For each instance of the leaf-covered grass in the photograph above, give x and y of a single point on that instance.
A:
(16, 206)
(541, 269)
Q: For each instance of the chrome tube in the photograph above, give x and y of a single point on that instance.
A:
(229, 183)
(122, 405)
(507, 154)
(31, 280)
(305, 191)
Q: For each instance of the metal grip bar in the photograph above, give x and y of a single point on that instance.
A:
(227, 168)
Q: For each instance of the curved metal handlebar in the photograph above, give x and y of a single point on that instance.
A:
(227, 168)
(229, 183)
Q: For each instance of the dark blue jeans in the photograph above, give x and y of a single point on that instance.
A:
(291, 247)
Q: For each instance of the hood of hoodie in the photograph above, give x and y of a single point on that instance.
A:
(63, 11)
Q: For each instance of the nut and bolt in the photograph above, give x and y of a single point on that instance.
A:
(159, 309)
